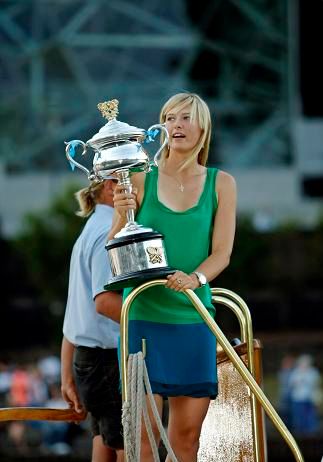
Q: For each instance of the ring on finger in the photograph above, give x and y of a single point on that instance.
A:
(179, 281)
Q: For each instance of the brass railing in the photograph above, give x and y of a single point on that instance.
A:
(238, 306)
(233, 301)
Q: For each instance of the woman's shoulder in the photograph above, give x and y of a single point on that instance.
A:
(225, 181)
(138, 179)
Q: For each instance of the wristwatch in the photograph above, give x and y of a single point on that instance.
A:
(201, 278)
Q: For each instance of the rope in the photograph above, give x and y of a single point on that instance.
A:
(136, 408)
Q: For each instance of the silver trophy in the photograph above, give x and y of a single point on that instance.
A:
(136, 253)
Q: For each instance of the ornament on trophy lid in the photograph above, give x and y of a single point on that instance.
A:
(109, 109)
(136, 253)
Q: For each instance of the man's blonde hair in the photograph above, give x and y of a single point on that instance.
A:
(199, 112)
(87, 198)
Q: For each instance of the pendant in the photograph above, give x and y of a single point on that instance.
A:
(181, 187)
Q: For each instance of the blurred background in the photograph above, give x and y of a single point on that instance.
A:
(256, 63)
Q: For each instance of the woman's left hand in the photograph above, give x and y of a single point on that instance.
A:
(179, 281)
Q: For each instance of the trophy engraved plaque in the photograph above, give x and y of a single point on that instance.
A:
(136, 253)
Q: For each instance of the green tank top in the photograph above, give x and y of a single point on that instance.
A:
(187, 239)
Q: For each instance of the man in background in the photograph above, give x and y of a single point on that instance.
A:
(89, 370)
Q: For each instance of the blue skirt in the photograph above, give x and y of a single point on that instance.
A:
(180, 358)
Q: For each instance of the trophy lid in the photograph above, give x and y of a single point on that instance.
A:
(114, 130)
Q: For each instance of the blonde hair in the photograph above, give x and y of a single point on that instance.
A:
(199, 112)
(88, 197)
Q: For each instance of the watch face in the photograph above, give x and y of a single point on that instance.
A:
(203, 279)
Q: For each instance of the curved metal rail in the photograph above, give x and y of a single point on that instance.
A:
(225, 344)
(238, 306)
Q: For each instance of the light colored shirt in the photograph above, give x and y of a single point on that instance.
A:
(304, 384)
(89, 272)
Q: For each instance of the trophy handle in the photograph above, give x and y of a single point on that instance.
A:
(70, 152)
(164, 129)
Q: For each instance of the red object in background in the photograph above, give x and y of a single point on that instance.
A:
(19, 390)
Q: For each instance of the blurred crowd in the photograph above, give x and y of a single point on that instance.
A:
(36, 384)
(300, 394)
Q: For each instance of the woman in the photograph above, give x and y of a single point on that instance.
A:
(194, 208)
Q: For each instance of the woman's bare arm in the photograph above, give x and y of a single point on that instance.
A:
(222, 238)
(224, 228)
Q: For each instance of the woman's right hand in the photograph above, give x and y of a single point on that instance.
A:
(124, 201)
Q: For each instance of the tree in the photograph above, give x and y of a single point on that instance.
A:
(46, 242)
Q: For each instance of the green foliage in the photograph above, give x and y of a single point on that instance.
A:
(283, 261)
(249, 259)
(46, 243)
(320, 221)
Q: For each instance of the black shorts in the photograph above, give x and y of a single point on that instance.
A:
(98, 382)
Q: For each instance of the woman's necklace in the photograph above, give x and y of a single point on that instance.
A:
(180, 185)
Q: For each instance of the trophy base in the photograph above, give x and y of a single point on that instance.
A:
(137, 278)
